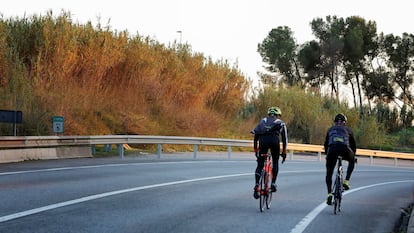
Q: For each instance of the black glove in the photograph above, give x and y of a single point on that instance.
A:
(283, 157)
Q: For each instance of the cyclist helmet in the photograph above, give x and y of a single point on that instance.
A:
(274, 111)
(340, 118)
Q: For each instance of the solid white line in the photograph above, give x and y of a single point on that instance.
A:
(103, 165)
(166, 162)
(107, 194)
(301, 226)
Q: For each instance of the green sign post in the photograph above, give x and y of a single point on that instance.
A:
(58, 124)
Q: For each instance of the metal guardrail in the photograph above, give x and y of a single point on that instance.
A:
(360, 152)
(119, 140)
(11, 142)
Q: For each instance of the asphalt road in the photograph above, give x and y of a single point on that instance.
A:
(180, 194)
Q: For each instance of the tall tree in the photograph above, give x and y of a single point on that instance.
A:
(310, 58)
(359, 43)
(400, 51)
(330, 32)
(378, 86)
(278, 50)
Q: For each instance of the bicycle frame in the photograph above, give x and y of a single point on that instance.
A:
(265, 182)
(338, 188)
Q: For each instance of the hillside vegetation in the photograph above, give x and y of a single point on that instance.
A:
(109, 82)
(106, 82)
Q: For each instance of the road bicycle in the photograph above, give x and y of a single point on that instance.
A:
(338, 187)
(265, 192)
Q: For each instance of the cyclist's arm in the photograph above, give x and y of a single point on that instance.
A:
(255, 140)
(283, 133)
(325, 145)
(352, 142)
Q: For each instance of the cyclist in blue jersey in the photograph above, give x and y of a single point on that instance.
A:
(339, 141)
(267, 133)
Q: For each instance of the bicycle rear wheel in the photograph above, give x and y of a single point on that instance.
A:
(262, 191)
(269, 193)
(337, 195)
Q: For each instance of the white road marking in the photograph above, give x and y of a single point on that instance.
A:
(104, 165)
(298, 228)
(301, 226)
(107, 194)
(169, 162)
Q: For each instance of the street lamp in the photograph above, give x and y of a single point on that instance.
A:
(181, 35)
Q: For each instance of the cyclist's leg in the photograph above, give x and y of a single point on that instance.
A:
(350, 157)
(330, 166)
(260, 163)
(275, 150)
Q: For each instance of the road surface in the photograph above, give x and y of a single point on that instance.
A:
(182, 194)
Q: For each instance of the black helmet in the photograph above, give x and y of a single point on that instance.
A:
(340, 118)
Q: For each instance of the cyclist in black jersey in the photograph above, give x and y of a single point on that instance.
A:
(267, 133)
(339, 141)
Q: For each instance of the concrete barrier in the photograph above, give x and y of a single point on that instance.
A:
(17, 155)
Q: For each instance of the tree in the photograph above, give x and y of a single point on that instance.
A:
(400, 51)
(378, 85)
(330, 36)
(278, 50)
(310, 59)
(359, 43)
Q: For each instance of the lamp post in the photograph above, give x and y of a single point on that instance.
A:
(181, 35)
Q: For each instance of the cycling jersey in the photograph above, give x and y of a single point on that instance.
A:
(339, 135)
(268, 130)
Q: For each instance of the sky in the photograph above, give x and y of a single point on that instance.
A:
(221, 29)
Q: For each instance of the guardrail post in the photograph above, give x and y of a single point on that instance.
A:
(120, 148)
(395, 162)
(195, 151)
(93, 149)
(291, 154)
(371, 160)
(107, 147)
(159, 149)
(319, 156)
(229, 152)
